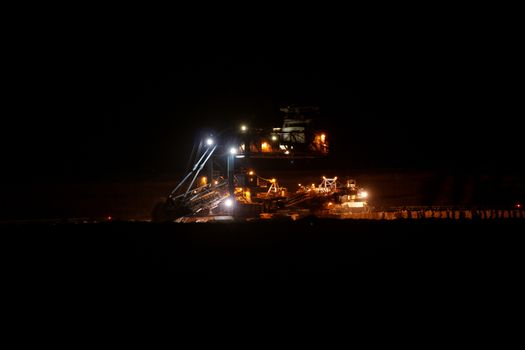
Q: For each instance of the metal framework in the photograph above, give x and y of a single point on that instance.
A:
(328, 185)
(295, 139)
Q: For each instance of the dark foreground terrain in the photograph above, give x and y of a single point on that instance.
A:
(386, 254)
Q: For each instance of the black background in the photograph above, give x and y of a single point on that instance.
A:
(129, 94)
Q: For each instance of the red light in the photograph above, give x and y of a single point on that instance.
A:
(110, 218)
(518, 205)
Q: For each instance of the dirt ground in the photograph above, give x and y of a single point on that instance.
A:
(350, 251)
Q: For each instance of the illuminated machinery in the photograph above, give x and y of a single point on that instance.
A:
(226, 189)
(330, 197)
(222, 191)
(348, 197)
(202, 195)
(261, 191)
(296, 138)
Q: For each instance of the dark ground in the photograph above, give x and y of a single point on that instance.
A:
(421, 280)
(356, 253)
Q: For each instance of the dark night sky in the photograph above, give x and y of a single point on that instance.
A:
(88, 105)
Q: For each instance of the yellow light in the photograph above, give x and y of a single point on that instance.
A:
(204, 180)
(287, 152)
(272, 180)
(274, 138)
(323, 137)
(324, 178)
(244, 127)
(299, 185)
(335, 178)
(329, 203)
(216, 182)
(251, 172)
(264, 146)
